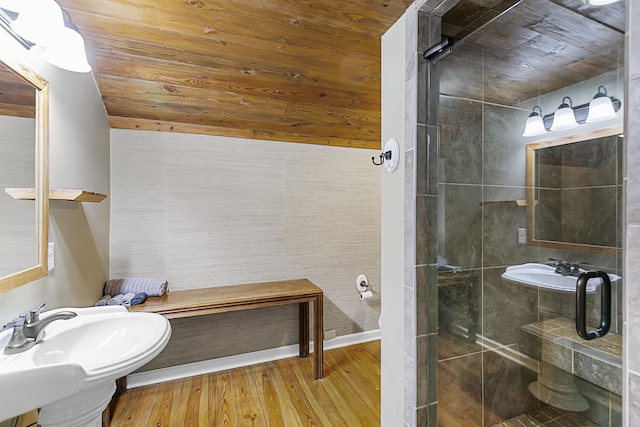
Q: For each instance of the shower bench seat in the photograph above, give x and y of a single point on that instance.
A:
(222, 299)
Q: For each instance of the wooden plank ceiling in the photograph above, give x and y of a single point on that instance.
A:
(290, 70)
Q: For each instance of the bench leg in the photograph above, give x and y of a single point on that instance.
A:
(303, 328)
(318, 344)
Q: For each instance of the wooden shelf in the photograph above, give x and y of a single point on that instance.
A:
(57, 194)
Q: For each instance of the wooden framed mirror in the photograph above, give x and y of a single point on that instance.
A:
(574, 192)
(24, 124)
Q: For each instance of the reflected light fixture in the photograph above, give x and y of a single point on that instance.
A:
(67, 52)
(38, 20)
(534, 125)
(601, 2)
(44, 23)
(564, 118)
(601, 107)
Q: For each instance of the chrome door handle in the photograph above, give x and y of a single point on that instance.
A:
(581, 305)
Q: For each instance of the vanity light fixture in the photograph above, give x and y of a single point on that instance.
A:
(564, 118)
(44, 23)
(534, 125)
(601, 2)
(601, 107)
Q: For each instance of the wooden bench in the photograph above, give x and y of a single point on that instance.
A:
(223, 299)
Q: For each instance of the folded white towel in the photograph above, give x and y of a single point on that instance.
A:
(152, 287)
(117, 300)
(126, 299)
(102, 301)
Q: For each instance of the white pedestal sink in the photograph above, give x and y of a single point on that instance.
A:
(544, 276)
(71, 373)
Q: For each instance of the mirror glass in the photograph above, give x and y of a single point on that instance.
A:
(23, 124)
(576, 192)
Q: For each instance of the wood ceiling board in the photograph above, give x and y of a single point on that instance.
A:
(286, 88)
(221, 101)
(169, 126)
(322, 122)
(243, 26)
(180, 47)
(17, 92)
(306, 71)
(17, 110)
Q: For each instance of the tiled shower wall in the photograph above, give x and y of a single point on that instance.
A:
(421, 222)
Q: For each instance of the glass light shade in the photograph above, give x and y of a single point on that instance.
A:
(564, 118)
(67, 52)
(600, 109)
(38, 21)
(12, 5)
(601, 2)
(534, 126)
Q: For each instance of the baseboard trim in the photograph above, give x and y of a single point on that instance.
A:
(223, 363)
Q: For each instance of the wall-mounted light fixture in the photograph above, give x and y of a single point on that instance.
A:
(534, 125)
(564, 118)
(601, 108)
(600, 2)
(44, 23)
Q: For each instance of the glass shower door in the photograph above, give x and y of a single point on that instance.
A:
(508, 350)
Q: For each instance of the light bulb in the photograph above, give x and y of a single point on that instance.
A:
(67, 51)
(601, 107)
(564, 118)
(37, 22)
(534, 125)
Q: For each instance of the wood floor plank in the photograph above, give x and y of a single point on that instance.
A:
(302, 403)
(222, 402)
(273, 410)
(165, 404)
(134, 410)
(279, 393)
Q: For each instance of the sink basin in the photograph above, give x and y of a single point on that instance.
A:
(544, 276)
(96, 347)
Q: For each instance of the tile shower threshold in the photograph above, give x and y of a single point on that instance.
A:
(598, 361)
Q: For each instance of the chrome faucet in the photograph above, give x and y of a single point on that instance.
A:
(28, 329)
(565, 268)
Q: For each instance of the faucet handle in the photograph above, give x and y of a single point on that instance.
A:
(15, 322)
(34, 315)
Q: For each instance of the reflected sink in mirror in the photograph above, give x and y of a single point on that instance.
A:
(544, 276)
(77, 356)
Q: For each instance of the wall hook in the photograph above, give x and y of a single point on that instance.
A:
(383, 156)
(389, 156)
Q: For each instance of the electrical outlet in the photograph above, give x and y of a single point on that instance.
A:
(522, 235)
(51, 263)
(329, 334)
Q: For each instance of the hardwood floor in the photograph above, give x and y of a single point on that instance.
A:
(281, 393)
